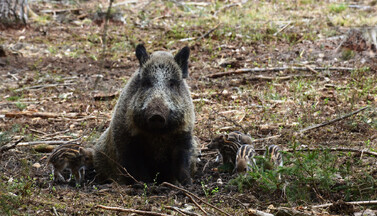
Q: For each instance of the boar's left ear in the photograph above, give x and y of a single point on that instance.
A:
(141, 54)
(182, 60)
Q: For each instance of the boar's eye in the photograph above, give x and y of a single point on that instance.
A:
(173, 83)
(146, 83)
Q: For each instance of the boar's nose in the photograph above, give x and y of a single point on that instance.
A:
(156, 121)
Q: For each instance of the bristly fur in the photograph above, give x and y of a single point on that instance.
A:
(72, 157)
(229, 144)
(245, 159)
(150, 134)
(274, 155)
(273, 158)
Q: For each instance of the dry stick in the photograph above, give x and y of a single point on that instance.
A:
(282, 29)
(330, 149)
(370, 202)
(187, 192)
(254, 212)
(54, 210)
(55, 142)
(261, 77)
(175, 209)
(197, 204)
(226, 7)
(266, 138)
(131, 210)
(124, 169)
(6, 148)
(312, 70)
(248, 70)
(315, 126)
(209, 32)
(181, 211)
(43, 86)
(332, 121)
(235, 123)
(47, 115)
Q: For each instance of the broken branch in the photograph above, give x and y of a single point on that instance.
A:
(131, 210)
(187, 192)
(181, 211)
(6, 148)
(332, 121)
(43, 86)
(209, 32)
(370, 202)
(254, 212)
(197, 204)
(330, 149)
(248, 70)
(55, 142)
(315, 126)
(226, 7)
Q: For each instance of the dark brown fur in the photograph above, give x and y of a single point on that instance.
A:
(150, 134)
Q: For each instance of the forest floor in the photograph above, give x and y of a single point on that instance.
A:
(310, 62)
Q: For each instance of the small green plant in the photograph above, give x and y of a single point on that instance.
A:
(145, 191)
(20, 106)
(205, 188)
(348, 54)
(215, 190)
(311, 175)
(51, 176)
(337, 8)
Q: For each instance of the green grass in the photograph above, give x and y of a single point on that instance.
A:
(337, 8)
(312, 176)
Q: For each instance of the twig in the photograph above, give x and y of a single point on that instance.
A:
(225, 7)
(209, 32)
(187, 192)
(43, 86)
(55, 142)
(18, 102)
(37, 131)
(181, 211)
(254, 212)
(33, 114)
(123, 168)
(266, 138)
(282, 29)
(332, 121)
(248, 70)
(131, 210)
(197, 204)
(370, 202)
(230, 197)
(54, 210)
(230, 120)
(315, 126)
(261, 77)
(371, 153)
(60, 10)
(312, 70)
(6, 148)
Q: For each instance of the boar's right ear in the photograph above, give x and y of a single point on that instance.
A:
(182, 60)
(141, 54)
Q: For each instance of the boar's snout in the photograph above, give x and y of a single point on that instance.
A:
(156, 121)
(157, 114)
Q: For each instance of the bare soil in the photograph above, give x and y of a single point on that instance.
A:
(56, 67)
